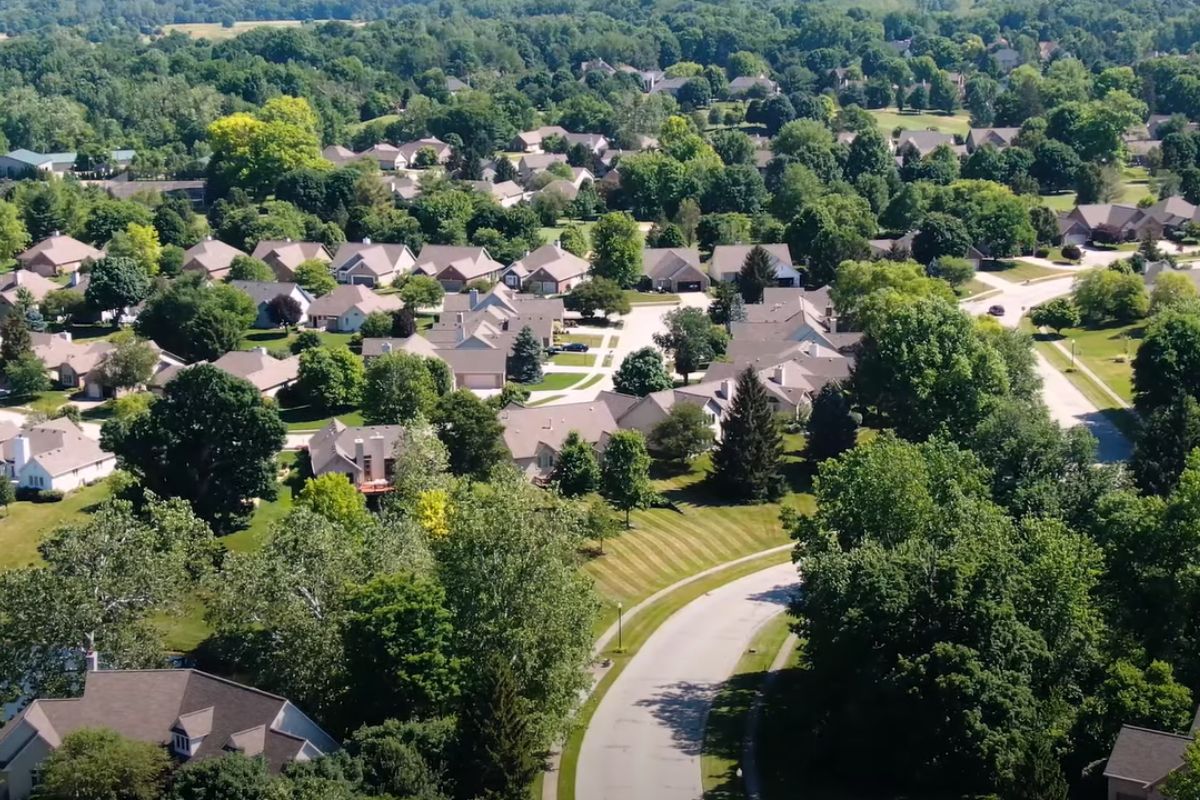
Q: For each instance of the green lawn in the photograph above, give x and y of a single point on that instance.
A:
(725, 729)
(551, 234)
(25, 524)
(592, 381)
(972, 288)
(890, 119)
(545, 400)
(608, 359)
(573, 359)
(1109, 353)
(1019, 271)
(554, 381)
(307, 418)
(590, 339)
(386, 119)
(667, 545)
(651, 298)
(1135, 184)
(46, 402)
(215, 31)
(279, 338)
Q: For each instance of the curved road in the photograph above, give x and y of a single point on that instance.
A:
(644, 741)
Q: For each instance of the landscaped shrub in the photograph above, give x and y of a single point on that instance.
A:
(1072, 252)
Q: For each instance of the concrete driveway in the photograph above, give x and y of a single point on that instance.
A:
(645, 739)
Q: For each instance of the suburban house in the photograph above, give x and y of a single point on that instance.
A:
(211, 257)
(506, 193)
(441, 150)
(371, 264)
(21, 162)
(284, 255)
(338, 155)
(531, 141)
(548, 270)
(191, 713)
(998, 138)
(727, 261)
(1117, 222)
(403, 186)
(12, 282)
(922, 143)
(752, 84)
(387, 156)
(899, 248)
(455, 85)
(263, 292)
(900, 47)
(362, 454)
(122, 188)
(669, 86)
(534, 436)
(346, 307)
(70, 363)
(51, 455)
(596, 65)
(537, 163)
(56, 254)
(648, 77)
(568, 190)
(455, 266)
(675, 269)
(1141, 759)
(1007, 59)
(265, 372)
(472, 367)
(595, 143)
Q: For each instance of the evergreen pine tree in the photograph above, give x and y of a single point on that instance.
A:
(577, 471)
(14, 337)
(525, 363)
(757, 273)
(832, 428)
(746, 462)
(498, 755)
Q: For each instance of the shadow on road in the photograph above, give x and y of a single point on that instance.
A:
(683, 707)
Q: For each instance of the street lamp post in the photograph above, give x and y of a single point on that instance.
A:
(1072, 354)
(620, 626)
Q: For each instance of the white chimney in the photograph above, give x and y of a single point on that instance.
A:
(366, 240)
(208, 238)
(21, 454)
(727, 388)
(378, 455)
(64, 335)
(92, 660)
(387, 347)
(73, 280)
(472, 299)
(359, 457)
(460, 317)
(55, 233)
(262, 351)
(781, 374)
(549, 424)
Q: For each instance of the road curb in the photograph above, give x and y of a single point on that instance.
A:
(751, 779)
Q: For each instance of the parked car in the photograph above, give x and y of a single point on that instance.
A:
(996, 311)
(575, 347)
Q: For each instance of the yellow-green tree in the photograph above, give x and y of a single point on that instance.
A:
(139, 243)
(251, 151)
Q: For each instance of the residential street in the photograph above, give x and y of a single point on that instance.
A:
(1066, 403)
(645, 739)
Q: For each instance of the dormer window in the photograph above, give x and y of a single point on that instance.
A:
(181, 744)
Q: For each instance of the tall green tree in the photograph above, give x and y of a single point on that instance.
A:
(625, 472)
(471, 432)
(617, 249)
(499, 753)
(577, 471)
(210, 439)
(641, 373)
(758, 272)
(398, 387)
(746, 461)
(331, 377)
(1167, 436)
(13, 236)
(682, 435)
(832, 425)
(690, 338)
(15, 340)
(116, 284)
(100, 764)
(1167, 361)
(525, 361)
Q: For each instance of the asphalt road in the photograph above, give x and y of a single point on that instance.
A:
(645, 739)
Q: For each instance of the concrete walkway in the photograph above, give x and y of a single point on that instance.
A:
(645, 739)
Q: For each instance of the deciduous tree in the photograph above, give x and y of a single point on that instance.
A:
(577, 470)
(683, 434)
(398, 388)
(642, 372)
(330, 377)
(625, 472)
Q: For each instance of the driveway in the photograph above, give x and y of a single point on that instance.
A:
(645, 739)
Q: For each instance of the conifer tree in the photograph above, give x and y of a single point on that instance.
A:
(14, 337)
(746, 462)
(525, 363)
(757, 273)
(499, 755)
(577, 471)
(832, 428)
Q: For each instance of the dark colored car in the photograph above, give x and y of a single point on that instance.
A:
(996, 311)
(575, 347)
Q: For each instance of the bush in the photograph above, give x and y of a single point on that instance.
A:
(48, 496)
(1072, 252)
(1042, 252)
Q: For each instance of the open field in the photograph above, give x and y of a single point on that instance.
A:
(216, 31)
(890, 119)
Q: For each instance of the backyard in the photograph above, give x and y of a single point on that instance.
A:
(890, 119)
(1020, 271)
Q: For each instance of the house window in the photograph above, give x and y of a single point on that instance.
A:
(366, 465)
(545, 460)
(181, 744)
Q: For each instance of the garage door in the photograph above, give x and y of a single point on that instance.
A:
(687, 286)
(477, 381)
(787, 283)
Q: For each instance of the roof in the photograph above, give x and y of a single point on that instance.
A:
(60, 249)
(212, 255)
(37, 285)
(266, 291)
(57, 349)
(264, 371)
(334, 444)
(381, 260)
(1003, 135)
(540, 161)
(486, 361)
(561, 186)
(730, 257)
(410, 149)
(123, 190)
(1095, 214)
(468, 261)
(417, 345)
(348, 296)
(556, 262)
(148, 705)
(527, 429)
(288, 253)
(1145, 756)
(501, 191)
(58, 446)
(338, 154)
(924, 141)
(663, 263)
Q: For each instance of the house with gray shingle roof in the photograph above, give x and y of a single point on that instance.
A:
(675, 269)
(455, 266)
(54, 454)
(548, 270)
(211, 257)
(371, 264)
(727, 261)
(284, 255)
(1142, 759)
(263, 292)
(191, 713)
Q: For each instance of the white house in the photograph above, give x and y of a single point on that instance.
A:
(52, 455)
